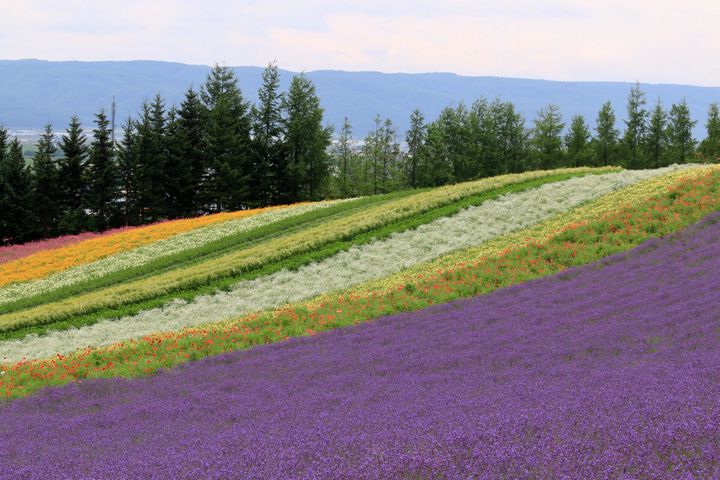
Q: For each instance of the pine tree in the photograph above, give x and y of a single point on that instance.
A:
(605, 144)
(436, 165)
(101, 175)
(152, 160)
(512, 140)
(381, 152)
(710, 146)
(656, 139)
(73, 218)
(17, 220)
(269, 180)
(189, 158)
(635, 129)
(345, 163)
(577, 142)
(129, 174)
(415, 139)
(46, 189)
(227, 133)
(681, 144)
(306, 142)
(546, 138)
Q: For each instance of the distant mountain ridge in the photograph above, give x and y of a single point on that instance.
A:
(34, 92)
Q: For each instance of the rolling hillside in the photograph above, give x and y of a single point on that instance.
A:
(585, 295)
(33, 92)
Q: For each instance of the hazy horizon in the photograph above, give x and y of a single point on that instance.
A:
(654, 42)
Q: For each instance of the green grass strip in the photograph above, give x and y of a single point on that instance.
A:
(209, 250)
(657, 215)
(291, 263)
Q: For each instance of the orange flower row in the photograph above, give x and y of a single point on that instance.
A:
(46, 262)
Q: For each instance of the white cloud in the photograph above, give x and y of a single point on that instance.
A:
(647, 40)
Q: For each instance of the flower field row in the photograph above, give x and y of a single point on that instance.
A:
(46, 262)
(14, 252)
(147, 253)
(472, 226)
(693, 194)
(198, 275)
(540, 233)
(611, 369)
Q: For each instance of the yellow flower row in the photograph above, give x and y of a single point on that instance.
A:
(46, 262)
(267, 252)
(538, 233)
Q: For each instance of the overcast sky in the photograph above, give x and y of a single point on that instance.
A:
(651, 41)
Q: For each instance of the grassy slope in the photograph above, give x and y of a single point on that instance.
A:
(672, 205)
(124, 298)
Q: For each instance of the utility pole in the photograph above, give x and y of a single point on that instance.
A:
(112, 123)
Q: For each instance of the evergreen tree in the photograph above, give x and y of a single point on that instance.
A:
(46, 190)
(546, 138)
(710, 146)
(227, 133)
(381, 152)
(129, 174)
(656, 138)
(635, 129)
(188, 158)
(415, 139)
(512, 142)
(269, 179)
(681, 144)
(345, 161)
(306, 142)
(17, 220)
(436, 161)
(101, 175)
(72, 173)
(577, 142)
(152, 160)
(605, 144)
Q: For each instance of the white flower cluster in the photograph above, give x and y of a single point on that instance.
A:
(153, 251)
(377, 259)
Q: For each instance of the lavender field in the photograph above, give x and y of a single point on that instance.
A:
(611, 370)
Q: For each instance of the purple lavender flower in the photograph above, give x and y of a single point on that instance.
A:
(611, 370)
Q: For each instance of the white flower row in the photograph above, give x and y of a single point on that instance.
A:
(377, 259)
(147, 253)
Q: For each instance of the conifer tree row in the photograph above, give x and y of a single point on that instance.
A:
(217, 152)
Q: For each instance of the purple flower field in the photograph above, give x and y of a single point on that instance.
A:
(609, 372)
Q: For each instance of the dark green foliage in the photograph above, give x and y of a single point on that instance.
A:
(577, 143)
(681, 144)
(45, 181)
(187, 158)
(656, 139)
(152, 159)
(307, 163)
(71, 166)
(415, 139)
(227, 133)
(17, 219)
(710, 146)
(605, 143)
(270, 176)
(635, 129)
(101, 176)
(346, 167)
(546, 138)
(381, 165)
(129, 174)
